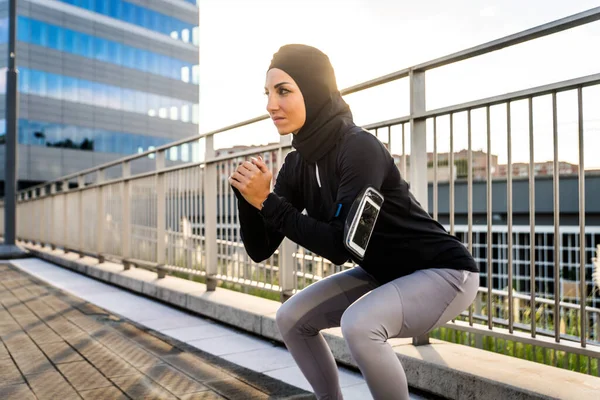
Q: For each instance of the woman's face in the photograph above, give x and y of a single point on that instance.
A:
(285, 102)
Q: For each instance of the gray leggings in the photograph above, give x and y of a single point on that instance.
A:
(369, 314)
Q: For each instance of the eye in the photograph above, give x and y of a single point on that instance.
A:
(283, 91)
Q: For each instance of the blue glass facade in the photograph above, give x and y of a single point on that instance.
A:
(81, 44)
(61, 87)
(141, 16)
(49, 134)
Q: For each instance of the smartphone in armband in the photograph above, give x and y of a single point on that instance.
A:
(361, 220)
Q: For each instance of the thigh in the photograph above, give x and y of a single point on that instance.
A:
(321, 304)
(426, 296)
(408, 306)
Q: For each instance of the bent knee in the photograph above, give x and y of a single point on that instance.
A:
(355, 326)
(285, 319)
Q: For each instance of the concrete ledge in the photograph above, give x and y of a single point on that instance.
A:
(449, 370)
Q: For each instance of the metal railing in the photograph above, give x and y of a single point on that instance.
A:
(181, 214)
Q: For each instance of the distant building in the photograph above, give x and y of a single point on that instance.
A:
(540, 169)
(460, 165)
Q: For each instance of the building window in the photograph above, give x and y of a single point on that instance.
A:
(185, 74)
(174, 113)
(185, 35)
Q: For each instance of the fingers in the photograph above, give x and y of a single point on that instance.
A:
(259, 162)
(239, 179)
(234, 183)
(248, 167)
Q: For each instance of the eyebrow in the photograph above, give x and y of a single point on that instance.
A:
(280, 84)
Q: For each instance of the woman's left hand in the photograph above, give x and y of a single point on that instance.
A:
(253, 180)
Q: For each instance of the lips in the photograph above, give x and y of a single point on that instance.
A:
(277, 119)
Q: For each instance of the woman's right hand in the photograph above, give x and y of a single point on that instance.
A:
(253, 180)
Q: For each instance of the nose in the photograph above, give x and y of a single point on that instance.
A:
(272, 104)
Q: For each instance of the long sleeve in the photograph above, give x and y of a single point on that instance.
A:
(362, 162)
(261, 240)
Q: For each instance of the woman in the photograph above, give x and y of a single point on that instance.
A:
(414, 275)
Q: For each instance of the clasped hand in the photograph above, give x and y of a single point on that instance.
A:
(253, 180)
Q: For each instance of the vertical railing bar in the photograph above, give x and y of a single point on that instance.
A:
(65, 191)
(191, 173)
(186, 217)
(194, 215)
(126, 213)
(582, 240)
(451, 163)
(557, 252)
(532, 238)
(162, 190)
(509, 211)
(194, 172)
(178, 191)
(435, 170)
(221, 222)
(239, 269)
(470, 198)
(489, 217)
(174, 191)
(100, 249)
(229, 219)
(53, 212)
(181, 214)
(404, 153)
(210, 204)
(176, 195)
(169, 184)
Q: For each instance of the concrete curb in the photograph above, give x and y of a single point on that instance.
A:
(445, 369)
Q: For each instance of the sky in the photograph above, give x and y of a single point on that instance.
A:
(365, 39)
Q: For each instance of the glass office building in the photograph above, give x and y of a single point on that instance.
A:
(99, 79)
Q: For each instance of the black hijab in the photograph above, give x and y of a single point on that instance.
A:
(327, 114)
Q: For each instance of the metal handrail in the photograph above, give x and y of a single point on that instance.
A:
(508, 97)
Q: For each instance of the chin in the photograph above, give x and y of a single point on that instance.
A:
(283, 131)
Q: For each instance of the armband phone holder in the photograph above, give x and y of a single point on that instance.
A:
(361, 220)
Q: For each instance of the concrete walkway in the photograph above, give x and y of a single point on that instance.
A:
(57, 346)
(109, 343)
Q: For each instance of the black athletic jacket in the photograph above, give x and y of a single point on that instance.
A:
(405, 238)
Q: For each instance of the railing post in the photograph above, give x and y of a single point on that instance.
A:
(101, 217)
(286, 269)
(210, 214)
(34, 235)
(80, 186)
(65, 190)
(418, 152)
(287, 248)
(27, 220)
(44, 222)
(161, 219)
(126, 217)
(52, 228)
